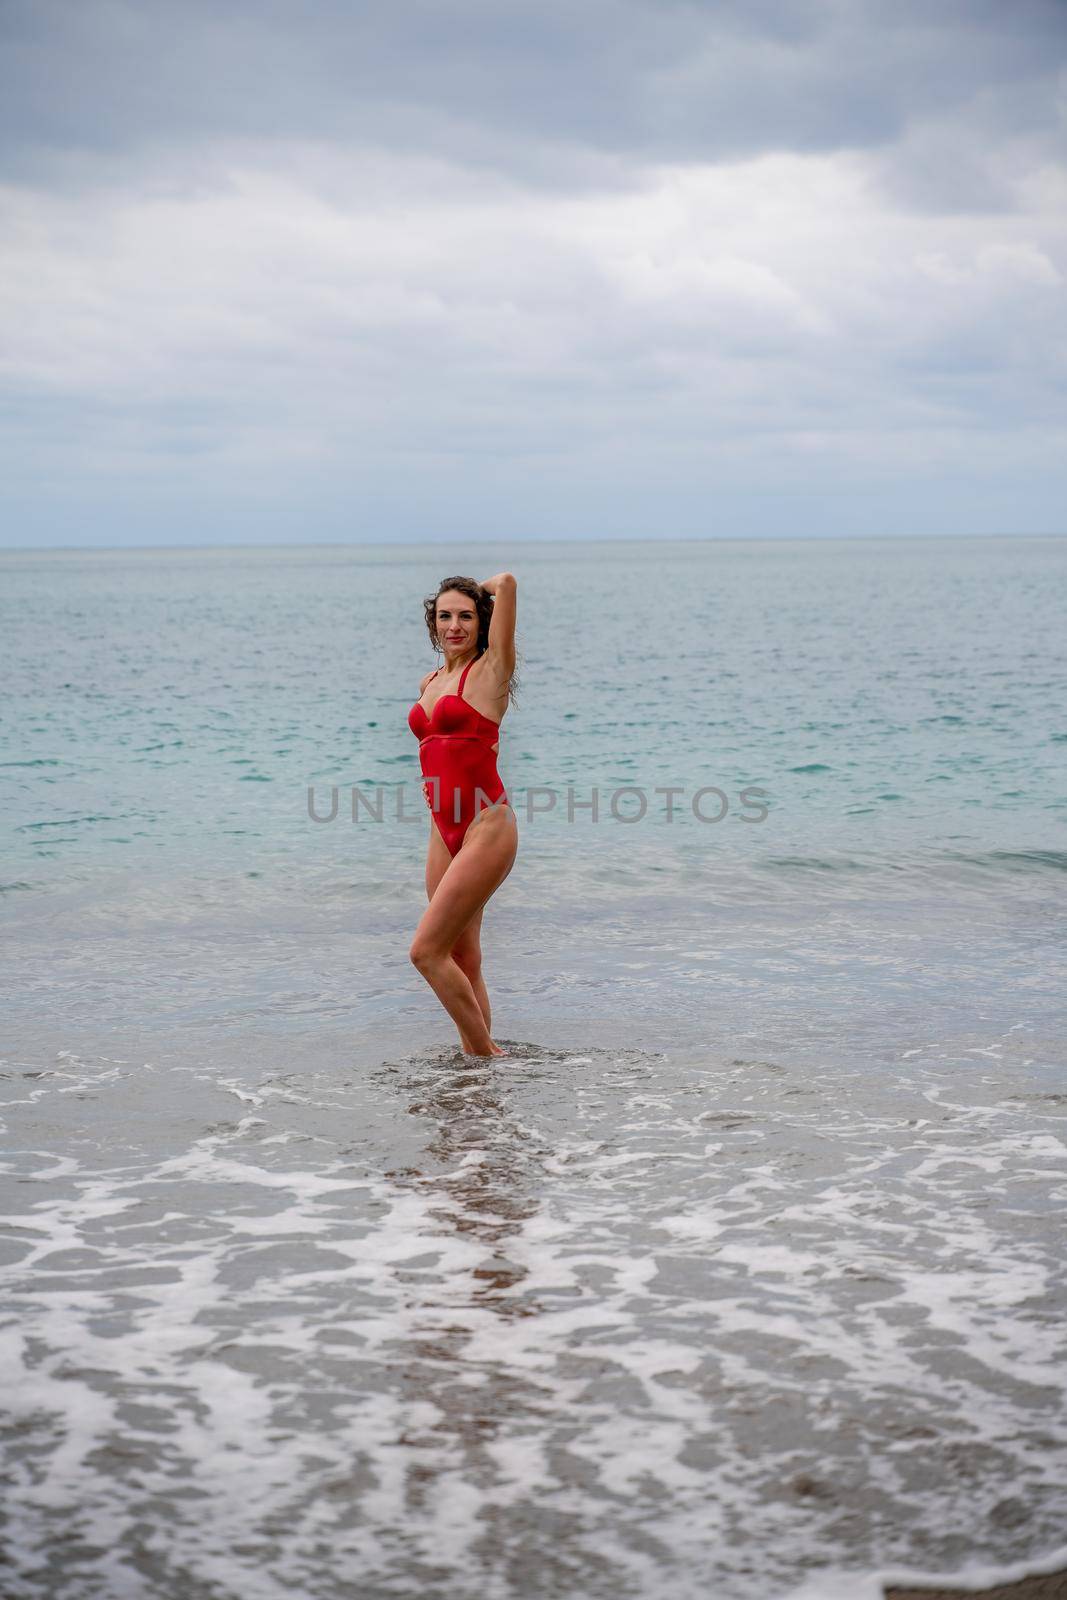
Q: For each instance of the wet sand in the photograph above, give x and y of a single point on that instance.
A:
(1052, 1586)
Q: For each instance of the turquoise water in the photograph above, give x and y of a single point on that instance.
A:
(892, 696)
(743, 1264)
(900, 706)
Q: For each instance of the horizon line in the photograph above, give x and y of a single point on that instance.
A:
(396, 544)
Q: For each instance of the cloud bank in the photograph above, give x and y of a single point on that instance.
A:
(428, 270)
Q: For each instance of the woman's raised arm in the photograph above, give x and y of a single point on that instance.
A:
(501, 644)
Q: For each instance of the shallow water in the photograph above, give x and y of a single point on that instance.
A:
(746, 1262)
(619, 1322)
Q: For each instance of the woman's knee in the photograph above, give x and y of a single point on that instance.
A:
(423, 954)
(469, 963)
(467, 954)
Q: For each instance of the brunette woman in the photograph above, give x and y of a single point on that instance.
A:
(473, 832)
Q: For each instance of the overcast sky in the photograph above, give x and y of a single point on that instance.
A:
(380, 269)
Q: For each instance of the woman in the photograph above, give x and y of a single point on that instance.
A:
(473, 833)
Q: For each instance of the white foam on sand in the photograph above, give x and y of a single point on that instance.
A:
(971, 1579)
(541, 1322)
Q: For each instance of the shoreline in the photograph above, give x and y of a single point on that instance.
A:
(1036, 1579)
(1037, 1586)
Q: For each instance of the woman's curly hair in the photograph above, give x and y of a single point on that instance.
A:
(483, 604)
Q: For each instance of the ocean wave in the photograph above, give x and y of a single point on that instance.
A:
(948, 862)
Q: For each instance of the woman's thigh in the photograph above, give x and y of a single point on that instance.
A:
(438, 862)
(467, 948)
(468, 879)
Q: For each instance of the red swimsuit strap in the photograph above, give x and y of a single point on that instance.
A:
(463, 677)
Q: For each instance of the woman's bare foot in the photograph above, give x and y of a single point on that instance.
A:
(494, 1050)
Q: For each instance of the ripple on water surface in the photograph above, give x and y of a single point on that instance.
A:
(601, 1323)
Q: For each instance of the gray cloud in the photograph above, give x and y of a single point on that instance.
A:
(327, 270)
(475, 80)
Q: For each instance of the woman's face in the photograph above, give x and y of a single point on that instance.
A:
(457, 623)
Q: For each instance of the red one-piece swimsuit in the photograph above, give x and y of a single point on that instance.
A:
(458, 762)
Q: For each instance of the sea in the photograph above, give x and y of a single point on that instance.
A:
(740, 1276)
